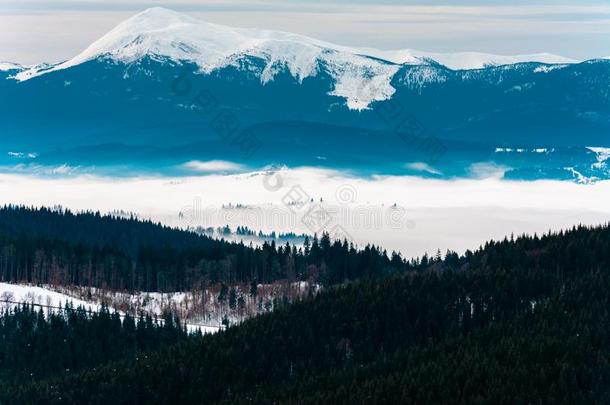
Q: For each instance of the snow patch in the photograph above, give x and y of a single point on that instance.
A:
(53, 299)
(6, 66)
(466, 60)
(10, 294)
(418, 77)
(22, 155)
(548, 68)
(523, 150)
(580, 178)
(602, 155)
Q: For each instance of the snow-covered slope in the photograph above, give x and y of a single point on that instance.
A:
(359, 75)
(50, 301)
(10, 294)
(466, 60)
(165, 33)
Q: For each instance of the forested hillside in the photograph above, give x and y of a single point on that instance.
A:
(89, 249)
(521, 321)
(36, 344)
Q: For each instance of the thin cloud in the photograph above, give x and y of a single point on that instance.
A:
(212, 166)
(422, 167)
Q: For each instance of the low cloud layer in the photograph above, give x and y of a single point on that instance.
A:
(211, 166)
(408, 214)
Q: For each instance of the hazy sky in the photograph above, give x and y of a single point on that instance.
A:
(34, 31)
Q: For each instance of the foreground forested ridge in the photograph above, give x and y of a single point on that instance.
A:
(519, 321)
(89, 249)
(37, 344)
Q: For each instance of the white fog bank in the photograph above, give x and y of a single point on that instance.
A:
(408, 214)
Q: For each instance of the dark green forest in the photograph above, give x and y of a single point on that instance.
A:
(520, 321)
(35, 345)
(43, 246)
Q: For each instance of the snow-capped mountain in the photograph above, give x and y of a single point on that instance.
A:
(163, 32)
(159, 32)
(151, 93)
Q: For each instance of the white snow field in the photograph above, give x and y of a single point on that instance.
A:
(51, 300)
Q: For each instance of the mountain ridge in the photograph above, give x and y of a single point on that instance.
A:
(360, 112)
(165, 33)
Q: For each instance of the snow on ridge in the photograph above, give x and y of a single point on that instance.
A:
(464, 60)
(51, 300)
(602, 154)
(161, 32)
(523, 150)
(6, 66)
(12, 293)
(22, 155)
(419, 77)
(477, 60)
(360, 75)
(548, 68)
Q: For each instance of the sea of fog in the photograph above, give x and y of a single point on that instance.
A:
(407, 214)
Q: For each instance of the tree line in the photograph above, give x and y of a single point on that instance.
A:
(44, 246)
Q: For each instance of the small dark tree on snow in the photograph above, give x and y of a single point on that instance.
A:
(233, 299)
(224, 290)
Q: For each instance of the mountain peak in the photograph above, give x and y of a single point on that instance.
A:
(156, 18)
(360, 76)
(159, 12)
(181, 38)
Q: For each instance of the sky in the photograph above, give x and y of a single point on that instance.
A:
(36, 31)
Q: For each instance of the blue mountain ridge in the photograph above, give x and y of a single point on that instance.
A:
(535, 120)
